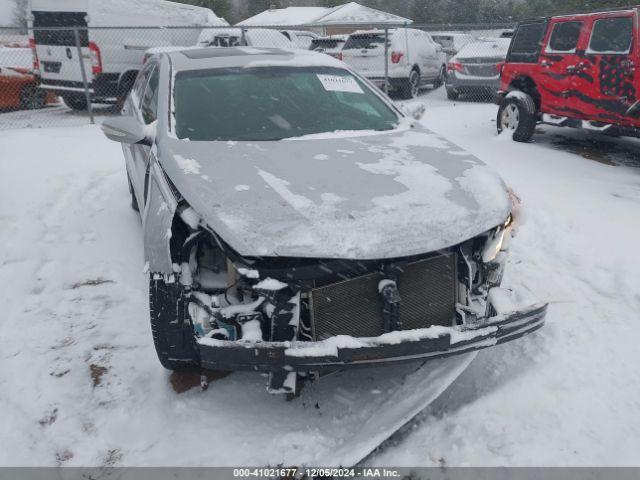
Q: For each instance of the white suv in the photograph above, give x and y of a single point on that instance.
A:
(414, 59)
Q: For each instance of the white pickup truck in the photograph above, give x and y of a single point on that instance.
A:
(112, 57)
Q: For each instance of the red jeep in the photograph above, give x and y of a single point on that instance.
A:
(573, 70)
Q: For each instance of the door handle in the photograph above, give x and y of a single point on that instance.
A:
(577, 68)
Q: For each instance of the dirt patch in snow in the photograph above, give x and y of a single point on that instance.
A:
(49, 419)
(91, 283)
(113, 457)
(97, 372)
(64, 456)
(599, 148)
(184, 381)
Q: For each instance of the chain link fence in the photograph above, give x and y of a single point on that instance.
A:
(63, 75)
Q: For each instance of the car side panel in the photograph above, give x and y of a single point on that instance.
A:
(557, 71)
(606, 85)
(157, 220)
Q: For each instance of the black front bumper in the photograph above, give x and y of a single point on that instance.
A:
(339, 353)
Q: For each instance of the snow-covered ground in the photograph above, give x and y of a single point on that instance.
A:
(570, 395)
(80, 384)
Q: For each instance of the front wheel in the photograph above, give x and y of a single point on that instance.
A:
(171, 326)
(518, 113)
(32, 98)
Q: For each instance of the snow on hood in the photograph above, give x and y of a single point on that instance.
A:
(395, 194)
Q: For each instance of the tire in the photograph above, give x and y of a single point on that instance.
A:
(411, 86)
(134, 200)
(452, 94)
(75, 102)
(442, 76)
(171, 326)
(32, 98)
(519, 114)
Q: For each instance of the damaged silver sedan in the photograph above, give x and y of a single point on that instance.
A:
(297, 222)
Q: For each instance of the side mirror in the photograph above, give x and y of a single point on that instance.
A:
(415, 110)
(126, 130)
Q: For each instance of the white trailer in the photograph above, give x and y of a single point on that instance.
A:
(111, 57)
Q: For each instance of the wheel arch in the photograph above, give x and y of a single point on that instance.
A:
(526, 84)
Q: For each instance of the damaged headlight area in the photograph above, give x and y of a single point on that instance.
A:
(300, 316)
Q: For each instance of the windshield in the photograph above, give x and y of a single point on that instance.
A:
(272, 103)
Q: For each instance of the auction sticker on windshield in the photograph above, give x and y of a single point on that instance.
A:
(337, 83)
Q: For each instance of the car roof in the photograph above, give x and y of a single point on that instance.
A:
(230, 57)
(601, 11)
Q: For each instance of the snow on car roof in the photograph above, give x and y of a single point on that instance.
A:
(249, 57)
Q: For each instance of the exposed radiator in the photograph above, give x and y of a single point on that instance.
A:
(353, 307)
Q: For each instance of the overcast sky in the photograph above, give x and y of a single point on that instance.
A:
(6, 11)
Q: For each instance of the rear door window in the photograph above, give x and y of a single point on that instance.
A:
(612, 35)
(364, 41)
(526, 44)
(565, 37)
(60, 37)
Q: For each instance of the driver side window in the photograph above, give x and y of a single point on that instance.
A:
(149, 106)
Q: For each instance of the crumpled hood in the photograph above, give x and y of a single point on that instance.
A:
(376, 196)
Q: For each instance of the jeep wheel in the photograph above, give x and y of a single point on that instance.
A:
(75, 102)
(171, 326)
(518, 114)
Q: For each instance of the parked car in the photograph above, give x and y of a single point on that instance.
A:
(213, 37)
(18, 85)
(452, 43)
(231, 37)
(573, 70)
(254, 37)
(112, 59)
(475, 70)
(300, 38)
(331, 45)
(290, 243)
(414, 59)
